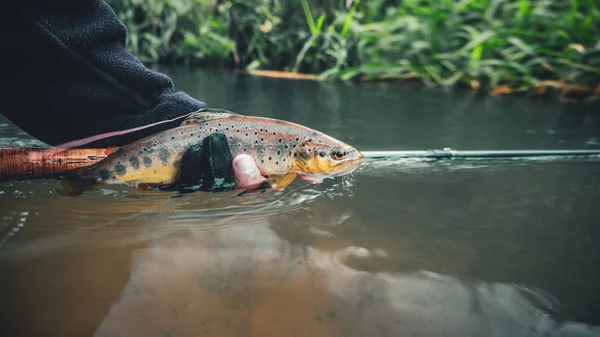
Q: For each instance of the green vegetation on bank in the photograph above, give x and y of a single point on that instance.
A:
(504, 45)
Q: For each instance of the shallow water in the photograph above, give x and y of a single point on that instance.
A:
(399, 248)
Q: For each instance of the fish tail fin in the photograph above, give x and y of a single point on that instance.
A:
(20, 163)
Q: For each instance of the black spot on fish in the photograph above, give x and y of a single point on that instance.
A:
(164, 155)
(120, 169)
(297, 139)
(278, 152)
(255, 133)
(270, 158)
(135, 162)
(280, 140)
(277, 163)
(246, 134)
(226, 129)
(147, 161)
(283, 159)
(219, 124)
(295, 154)
(104, 174)
(285, 146)
(262, 139)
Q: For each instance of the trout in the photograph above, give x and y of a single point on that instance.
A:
(279, 148)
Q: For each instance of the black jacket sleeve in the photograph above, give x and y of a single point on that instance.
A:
(67, 74)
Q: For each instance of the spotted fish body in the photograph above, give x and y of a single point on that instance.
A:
(278, 148)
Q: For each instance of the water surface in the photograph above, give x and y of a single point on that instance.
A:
(399, 248)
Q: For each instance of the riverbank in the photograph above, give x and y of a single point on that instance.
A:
(503, 47)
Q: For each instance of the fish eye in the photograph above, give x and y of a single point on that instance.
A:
(339, 154)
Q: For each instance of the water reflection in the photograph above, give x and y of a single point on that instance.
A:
(252, 283)
(270, 266)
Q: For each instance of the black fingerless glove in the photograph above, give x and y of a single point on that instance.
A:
(207, 167)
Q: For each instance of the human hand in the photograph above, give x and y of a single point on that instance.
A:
(211, 167)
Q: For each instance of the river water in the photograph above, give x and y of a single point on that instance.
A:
(399, 248)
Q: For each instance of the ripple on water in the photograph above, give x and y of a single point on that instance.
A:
(119, 215)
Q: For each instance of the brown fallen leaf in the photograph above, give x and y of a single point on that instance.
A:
(282, 74)
(501, 89)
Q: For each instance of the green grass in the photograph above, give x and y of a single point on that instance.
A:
(486, 44)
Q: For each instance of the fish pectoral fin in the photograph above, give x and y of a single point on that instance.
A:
(279, 182)
(311, 179)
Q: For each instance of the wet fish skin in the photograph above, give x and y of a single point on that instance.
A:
(278, 148)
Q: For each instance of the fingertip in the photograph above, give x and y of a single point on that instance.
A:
(246, 172)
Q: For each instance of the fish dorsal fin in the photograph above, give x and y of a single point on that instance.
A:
(207, 115)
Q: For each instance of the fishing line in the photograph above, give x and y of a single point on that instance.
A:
(448, 153)
(94, 138)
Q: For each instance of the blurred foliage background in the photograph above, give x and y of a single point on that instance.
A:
(498, 45)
